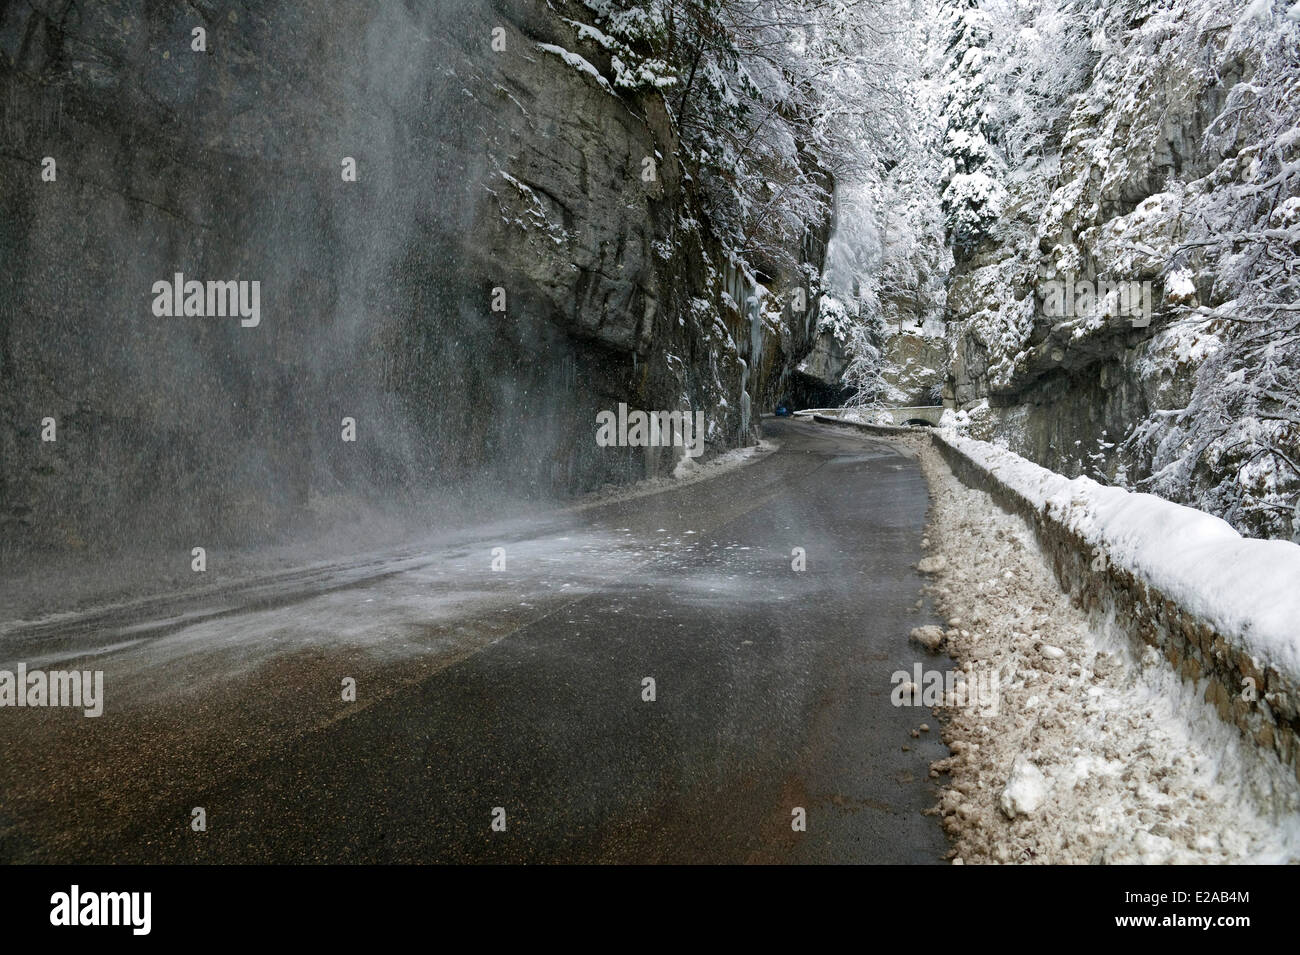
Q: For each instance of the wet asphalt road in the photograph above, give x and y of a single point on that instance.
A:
(772, 692)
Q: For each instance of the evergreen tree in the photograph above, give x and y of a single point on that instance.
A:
(972, 193)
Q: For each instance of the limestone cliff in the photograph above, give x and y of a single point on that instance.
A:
(1170, 170)
(494, 166)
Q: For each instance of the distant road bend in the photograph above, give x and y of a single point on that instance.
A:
(502, 716)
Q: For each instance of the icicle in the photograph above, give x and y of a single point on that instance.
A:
(744, 398)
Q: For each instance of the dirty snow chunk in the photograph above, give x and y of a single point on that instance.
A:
(577, 62)
(1025, 790)
(1051, 652)
(932, 565)
(930, 637)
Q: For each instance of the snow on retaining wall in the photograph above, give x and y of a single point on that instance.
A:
(1223, 609)
(881, 429)
(1249, 589)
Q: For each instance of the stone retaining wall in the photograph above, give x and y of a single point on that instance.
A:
(1259, 700)
(1221, 670)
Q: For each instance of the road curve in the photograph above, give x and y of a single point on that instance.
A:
(523, 690)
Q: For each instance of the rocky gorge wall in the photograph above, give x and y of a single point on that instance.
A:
(492, 167)
(1157, 175)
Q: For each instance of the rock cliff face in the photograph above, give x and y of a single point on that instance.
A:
(493, 168)
(817, 381)
(1162, 175)
(918, 363)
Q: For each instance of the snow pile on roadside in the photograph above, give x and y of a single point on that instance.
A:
(1096, 751)
(1247, 589)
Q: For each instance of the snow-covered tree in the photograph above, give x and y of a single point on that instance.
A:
(1233, 287)
(773, 100)
(1039, 55)
(888, 252)
(865, 373)
(972, 190)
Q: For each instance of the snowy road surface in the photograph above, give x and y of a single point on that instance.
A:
(518, 695)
